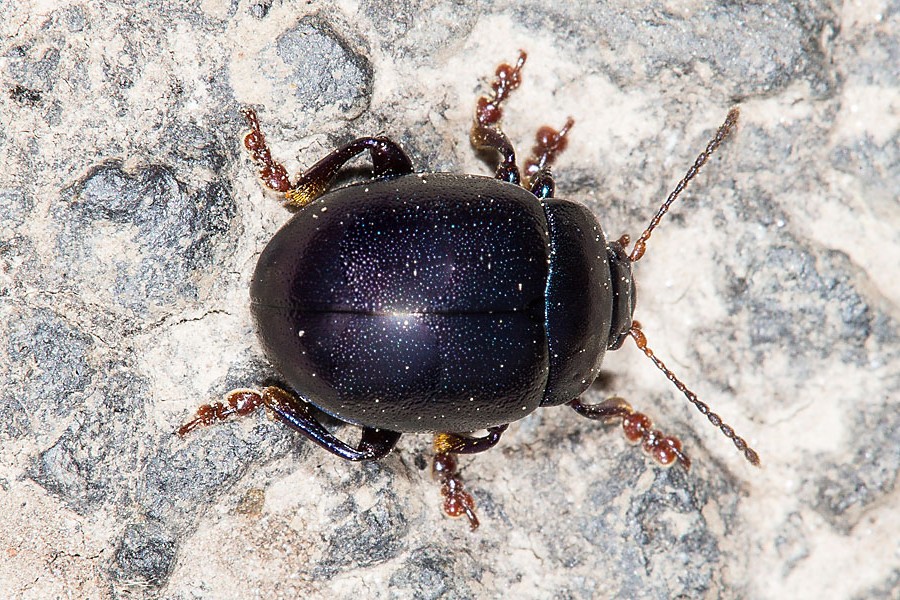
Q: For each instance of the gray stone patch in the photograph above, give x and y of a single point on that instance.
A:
(46, 373)
(164, 231)
(86, 466)
(16, 250)
(327, 72)
(665, 518)
(364, 538)
(426, 574)
(180, 476)
(797, 293)
(847, 486)
(260, 9)
(145, 555)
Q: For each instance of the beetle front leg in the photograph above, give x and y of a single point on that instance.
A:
(637, 427)
(458, 501)
(374, 443)
(388, 160)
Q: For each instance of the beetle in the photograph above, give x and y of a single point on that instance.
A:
(443, 303)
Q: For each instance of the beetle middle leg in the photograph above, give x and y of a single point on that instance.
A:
(548, 144)
(374, 443)
(638, 428)
(486, 133)
(458, 501)
(388, 160)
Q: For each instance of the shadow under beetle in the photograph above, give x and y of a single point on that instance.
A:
(444, 303)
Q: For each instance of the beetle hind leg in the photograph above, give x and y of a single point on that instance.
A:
(388, 160)
(272, 173)
(638, 428)
(373, 444)
(457, 500)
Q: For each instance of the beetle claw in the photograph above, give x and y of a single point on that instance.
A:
(457, 500)
(638, 429)
(237, 402)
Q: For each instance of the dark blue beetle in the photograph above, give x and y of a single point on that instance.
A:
(443, 303)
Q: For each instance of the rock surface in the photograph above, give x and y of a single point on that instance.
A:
(132, 218)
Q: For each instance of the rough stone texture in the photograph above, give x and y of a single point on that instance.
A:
(131, 220)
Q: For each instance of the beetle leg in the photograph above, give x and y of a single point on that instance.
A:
(637, 427)
(388, 160)
(458, 501)
(374, 443)
(548, 143)
(457, 443)
(542, 184)
(486, 133)
(273, 173)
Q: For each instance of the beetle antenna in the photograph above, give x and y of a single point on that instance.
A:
(640, 245)
(641, 340)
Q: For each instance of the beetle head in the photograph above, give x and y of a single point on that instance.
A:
(623, 293)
